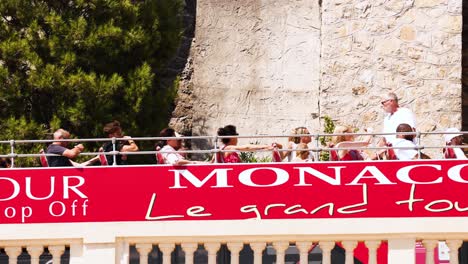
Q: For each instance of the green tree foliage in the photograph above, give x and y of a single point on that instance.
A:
(79, 64)
(329, 127)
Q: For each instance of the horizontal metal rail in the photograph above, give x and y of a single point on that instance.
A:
(316, 149)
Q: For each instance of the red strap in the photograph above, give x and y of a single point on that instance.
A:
(159, 156)
(276, 155)
(43, 159)
(103, 158)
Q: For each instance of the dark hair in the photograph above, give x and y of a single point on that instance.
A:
(5, 162)
(228, 130)
(166, 132)
(405, 128)
(112, 127)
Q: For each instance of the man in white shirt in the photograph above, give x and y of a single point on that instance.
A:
(454, 139)
(395, 115)
(404, 147)
(171, 146)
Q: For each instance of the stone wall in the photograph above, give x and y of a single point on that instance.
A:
(412, 47)
(256, 65)
(268, 66)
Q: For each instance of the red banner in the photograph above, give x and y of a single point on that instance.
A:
(235, 191)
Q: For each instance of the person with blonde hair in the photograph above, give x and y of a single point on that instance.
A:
(293, 142)
(302, 153)
(347, 142)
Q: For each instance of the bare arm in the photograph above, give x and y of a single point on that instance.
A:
(249, 147)
(74, 152)
(129, 148)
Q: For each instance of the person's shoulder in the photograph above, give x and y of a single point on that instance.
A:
(167, 148)
(54, 148)
(404, 110)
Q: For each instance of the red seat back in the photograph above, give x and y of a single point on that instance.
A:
(43, 158)
(103, 158)
(276, 155)
(159, 156)
(449, 153)
(391, 153)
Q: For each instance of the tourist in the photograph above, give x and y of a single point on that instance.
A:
(395, 115)
(454, 139)
(347, 141)
(404, 146)
(302, 153)
(114, 130)
(65, 155)
(293, 141)
(230, 148)
(170, 148)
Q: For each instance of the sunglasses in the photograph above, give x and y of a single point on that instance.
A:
(384, 101)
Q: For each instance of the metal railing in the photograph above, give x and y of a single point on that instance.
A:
(316, 148)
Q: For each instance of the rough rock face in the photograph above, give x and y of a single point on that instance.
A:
(270, 66)
(412, 47)
(256, 65)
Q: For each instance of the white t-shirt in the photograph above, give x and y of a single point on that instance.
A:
(459, 153)
(391, 122)
(404, 154)
(170, 158)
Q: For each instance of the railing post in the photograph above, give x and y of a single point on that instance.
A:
(454, 245)
(114, 156)
(235, 248)
(280, 248)
(349, 248)
(401, 250)
(258, 248)
(12, 152)
(56, 252)
(326, 247)
(430, 245)
(13, 253)
(144, 250)
(35, 252)
(418, 143)
(189, 249)
(372, 245)
(166, 249)
(216, 149)
(212, 249)
(303, 248)
(317, 142)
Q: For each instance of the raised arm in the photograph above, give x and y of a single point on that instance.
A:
(74, 152)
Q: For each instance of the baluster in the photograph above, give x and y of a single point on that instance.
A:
(349, 247)
(189, 249)
(326, 247)
(35, 252)
(258, 248)
(372, 245)
(454, 245)
(280, 248)
(235, 248)
(13, 253)
(430, 245)
(56, 252)
(212, 249)
(304, 248)
(144, 250)
(166, 249)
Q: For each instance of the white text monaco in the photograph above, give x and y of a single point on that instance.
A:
(304, 176)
